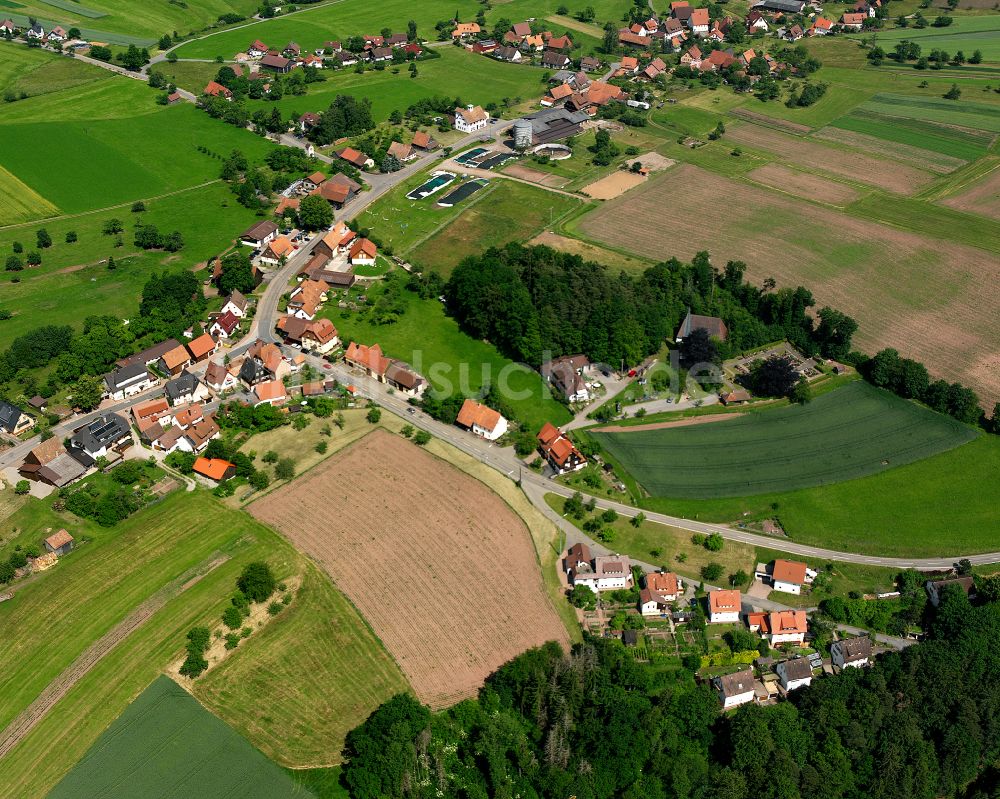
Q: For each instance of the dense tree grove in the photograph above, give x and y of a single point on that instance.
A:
(533, 301)
(346, 116)
(596, 724)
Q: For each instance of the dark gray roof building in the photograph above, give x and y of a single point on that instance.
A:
(10, 415)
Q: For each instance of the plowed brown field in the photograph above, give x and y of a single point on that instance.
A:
(921, 295)
(982, 197)
(442, 569)
(811, 155)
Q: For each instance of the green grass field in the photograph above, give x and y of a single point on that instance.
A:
(38, 72)
(941, 506)
(452, 361)
(939, 138)
(852, 432)
(966, 33)
(457, 74)
(967, 114)
(103, 580)
(338, 20)
(166, 745)
(326, 665)
(511, 212)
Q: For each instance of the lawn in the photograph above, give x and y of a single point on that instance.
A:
(944, 505)
(966, 33)
(324, 663)
(433, 344)
(456, 74)
(73, 281)
(166, 744)
(338, 20)
(511, 212)
(103, 581)
(852, 432)
(671, 548)
(119, 160)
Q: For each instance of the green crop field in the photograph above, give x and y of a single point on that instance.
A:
(965, 33)
(854, 431)
(19, 202)
(166, 745)
(511, 212)
(939, 138)
(35, 71)
(433, 344)
(328, 668)
(337, 20)
(106, 578)
(967, 114)
(457, 74)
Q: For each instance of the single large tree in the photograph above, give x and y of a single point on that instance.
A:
(256, 581)
(774, 377)
(315, 213)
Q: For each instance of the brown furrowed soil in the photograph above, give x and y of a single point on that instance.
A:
(440, 567)
(811, 187)
(770, 121)
(811, 155)
(614, 185)
(923, 296)
(917, 156)
(982, 197)
(535, 176)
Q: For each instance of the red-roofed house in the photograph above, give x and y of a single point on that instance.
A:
(355, 158)
(724, 607)
(224, 326)
(257, 49)
(201, 348)
(662, 588)
(214, 89)
(699, 21)
(561, 454)
(852, 21)
(269, 392)
(363, 253)
(215, 468)
(481, 420)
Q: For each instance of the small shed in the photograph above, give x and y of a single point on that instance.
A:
(59, 543)
(630, 637)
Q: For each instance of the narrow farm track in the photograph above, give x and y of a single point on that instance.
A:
(90, 657)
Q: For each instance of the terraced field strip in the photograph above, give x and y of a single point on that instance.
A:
(915, 156)
(804, 184)
(963, 113)
(981, 197)
(60, 686)
(951, 141)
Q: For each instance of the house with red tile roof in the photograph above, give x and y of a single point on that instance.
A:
(724, 606)
(661, 590)
(269, 392)
(363, 253)
(201, 348)
(216, 469)
(396, 374)
(214, 89)
(224, 326)
(355, 158)
(481, 420)
(561, 453)
(699, 21)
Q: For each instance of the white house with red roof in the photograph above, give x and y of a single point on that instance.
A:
(660, 591)
(471, 118)
(724, 606)
(561, 454)
(481, 420)
(224, 326)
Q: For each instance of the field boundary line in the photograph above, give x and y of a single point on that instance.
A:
(25, 721)
(438, 228)
(947, 192)
(128, 203)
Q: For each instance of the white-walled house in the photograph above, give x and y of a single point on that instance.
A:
(724, 606)
(481, 420)
(851, 652)
(610, 573)
(794, 673)
(735, 689)
(471, 118)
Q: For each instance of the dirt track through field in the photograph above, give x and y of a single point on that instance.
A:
(440, 567)
(691, 420)
(811, 155)
(773, 122)
(811, 187)
(90, 657)
(982, 197)
(921, 295)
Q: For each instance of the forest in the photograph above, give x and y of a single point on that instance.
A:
(535, 303)
(597, 724)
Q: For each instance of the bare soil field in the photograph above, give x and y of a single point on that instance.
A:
(613, 185)
(440, 567)
(773, 122)
(922, 296)
(535, 176)
(917, 156)
(811, 187)
(982, 197)
(888, 175)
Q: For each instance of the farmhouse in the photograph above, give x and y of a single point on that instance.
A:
(50, 463)
(403, 152)
(465, 29)
(185, 388)
(566, 375)
(219, 378)
(355, 158)
(224, 326)
(173, 361)
(661, 589)
(577, 559)
(278, 250)
(371, 361)
(966, 584)
(201, 348)
(738, 396)
(59, 543)
(98, 438)
(306, 299)
(150, 355)
(553, 124)
(851, 652)
(607, 573)
(561, 454)
(260, 234)
(756, 21)
(128, 381)
(257, 49)
(852, 21)
(481, 420)
(724, 606)
(363, 252)
(423, 141)
(735, 689)
(13, 420)
(715, 327)
(276, 63)
(215, 469)
(699, 21)
(794, 673)
(8, 26)
(780, 627)
(338, 190)
(471, 118)
(787, 576)
(214, 89)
